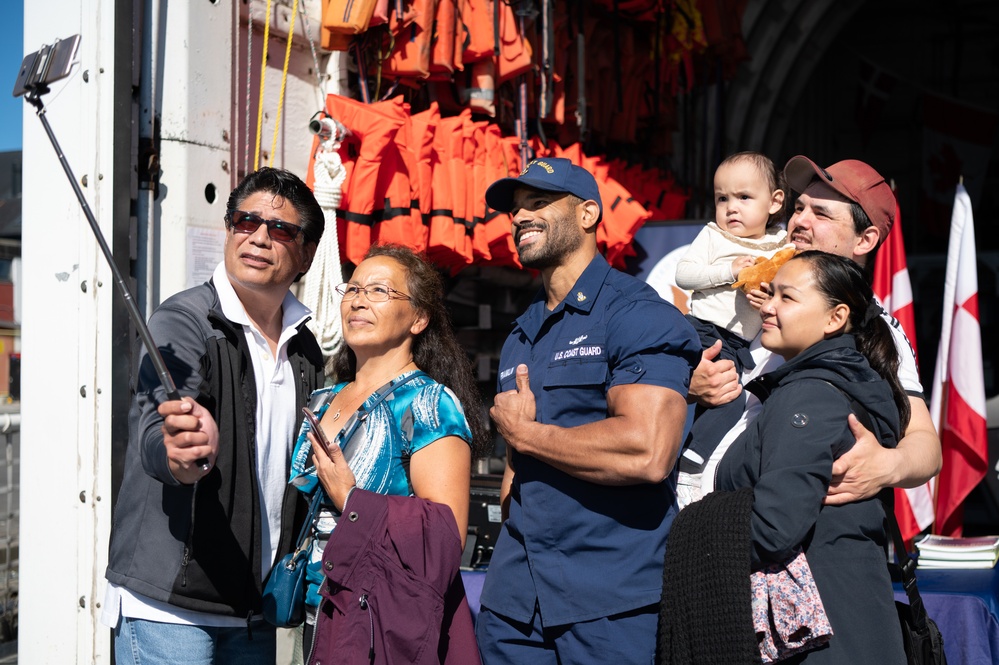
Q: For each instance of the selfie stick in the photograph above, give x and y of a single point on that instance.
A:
(34, 97)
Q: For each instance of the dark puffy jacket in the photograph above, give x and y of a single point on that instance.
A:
(198, 546)
(393, 591)
(787, 455)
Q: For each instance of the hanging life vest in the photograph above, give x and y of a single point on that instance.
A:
(442, 43)
(410, 56)
(377, 198)
(515, 54)
(349, 16)
(446, 245)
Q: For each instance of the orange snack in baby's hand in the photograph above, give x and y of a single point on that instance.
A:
(763, 270)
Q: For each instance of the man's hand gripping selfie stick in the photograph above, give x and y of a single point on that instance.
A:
(33, 86)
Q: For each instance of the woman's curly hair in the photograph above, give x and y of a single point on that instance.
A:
(436, 350)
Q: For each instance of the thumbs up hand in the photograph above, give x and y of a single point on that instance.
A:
(513, 410)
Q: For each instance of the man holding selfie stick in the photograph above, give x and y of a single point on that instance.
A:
(192, 541)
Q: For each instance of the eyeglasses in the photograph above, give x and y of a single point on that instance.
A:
(246, 222)
(374, 293)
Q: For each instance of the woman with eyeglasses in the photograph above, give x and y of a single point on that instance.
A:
(404, 418)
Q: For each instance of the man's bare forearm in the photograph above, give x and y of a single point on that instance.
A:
(637, 445)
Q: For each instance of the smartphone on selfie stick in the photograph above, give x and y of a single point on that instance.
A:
(50, 63)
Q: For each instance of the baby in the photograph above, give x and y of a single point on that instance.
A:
(749, 216)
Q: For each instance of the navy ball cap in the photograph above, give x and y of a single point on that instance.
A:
(549, 174)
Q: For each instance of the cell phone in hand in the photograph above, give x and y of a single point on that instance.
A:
(317, 429)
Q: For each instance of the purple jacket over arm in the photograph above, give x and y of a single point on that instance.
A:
(393, 590)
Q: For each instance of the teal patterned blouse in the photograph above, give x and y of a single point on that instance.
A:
(413, 416)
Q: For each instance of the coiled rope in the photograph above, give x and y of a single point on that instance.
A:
(318, 289)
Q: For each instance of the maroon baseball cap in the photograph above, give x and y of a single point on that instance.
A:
(853, 179)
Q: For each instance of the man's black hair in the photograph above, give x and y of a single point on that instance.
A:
(288, 186)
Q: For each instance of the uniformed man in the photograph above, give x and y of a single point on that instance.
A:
(592, 404)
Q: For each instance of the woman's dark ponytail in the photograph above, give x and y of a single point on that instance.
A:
(842, 280)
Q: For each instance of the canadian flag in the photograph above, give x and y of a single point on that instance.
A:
(913, 507)
(958, 404)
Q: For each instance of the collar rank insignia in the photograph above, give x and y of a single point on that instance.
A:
(580, 297)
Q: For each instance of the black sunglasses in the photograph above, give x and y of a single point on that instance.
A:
(246, 222)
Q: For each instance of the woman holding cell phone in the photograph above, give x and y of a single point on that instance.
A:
(403, 418)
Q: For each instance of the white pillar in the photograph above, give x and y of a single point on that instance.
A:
(192, 59)
(67, 299)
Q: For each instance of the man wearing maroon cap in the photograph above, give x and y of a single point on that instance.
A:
(846, 209)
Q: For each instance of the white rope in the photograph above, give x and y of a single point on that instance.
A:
(319, 294)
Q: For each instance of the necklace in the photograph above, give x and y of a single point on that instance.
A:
(336, 415)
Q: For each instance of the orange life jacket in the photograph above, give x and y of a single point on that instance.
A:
(406, 228)
(380, 15)
(458, 166)
(476, 172)
(622, 217)
(410, 57)
(424, 129)
(442, 53)
(376, 204)
(446, 244)
(482, 94)
(335, 41)
(461, 35)
(350, 16)
(516, 55)
(478, 20)
(513, 60)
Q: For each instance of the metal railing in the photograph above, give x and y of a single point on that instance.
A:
(10, 511)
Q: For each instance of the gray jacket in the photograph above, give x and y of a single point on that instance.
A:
(198, 546)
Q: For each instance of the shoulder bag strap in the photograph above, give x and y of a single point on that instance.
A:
(317, 500)
(906, 565)
(357, 418)
(361, 414)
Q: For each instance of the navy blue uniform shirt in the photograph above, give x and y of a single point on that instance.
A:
(578, 549)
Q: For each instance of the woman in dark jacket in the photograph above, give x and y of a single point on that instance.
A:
(823, 319)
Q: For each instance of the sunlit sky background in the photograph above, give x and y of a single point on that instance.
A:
(11, 54)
